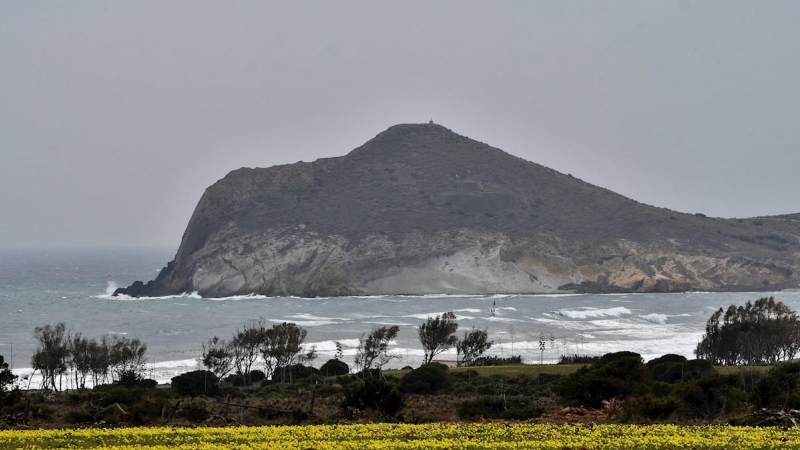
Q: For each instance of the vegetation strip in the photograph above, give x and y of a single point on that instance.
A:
(403, 436)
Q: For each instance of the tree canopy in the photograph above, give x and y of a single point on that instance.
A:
(437, 335)
(756, 333)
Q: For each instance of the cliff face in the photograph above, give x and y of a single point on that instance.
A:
(420, 209)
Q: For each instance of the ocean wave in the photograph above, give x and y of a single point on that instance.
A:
(587, 312)
(387, 323)
(123, 297)
(501, 319)
(307, 316)
(660, 319)
(236, 298)
(330, 346)
(558, 295)
(307, 323)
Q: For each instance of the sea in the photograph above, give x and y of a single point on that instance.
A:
(74, 286)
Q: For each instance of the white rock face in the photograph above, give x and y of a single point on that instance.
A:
(457, 262)
(475, 270)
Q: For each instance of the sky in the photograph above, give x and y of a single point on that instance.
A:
(115, 116)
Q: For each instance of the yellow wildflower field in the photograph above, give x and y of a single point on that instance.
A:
(402, 436)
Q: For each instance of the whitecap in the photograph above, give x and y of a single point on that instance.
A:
(307, 323)
(660, 319)
(388, 323)
(501, 319)
(236, 298)
(585, 313)
(123, 297)
(330, 346)
(307, 316)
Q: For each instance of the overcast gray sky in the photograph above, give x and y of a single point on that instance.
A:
(115, 116)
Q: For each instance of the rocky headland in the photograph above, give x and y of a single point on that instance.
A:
(421, 210)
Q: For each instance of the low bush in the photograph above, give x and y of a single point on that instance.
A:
(198, 382)
(496, 361)
(615, 375)
(577, 359)
(779, 388)
(427, 379)
(334, 367)
(507, 408)
(710, 397)
(374, 394)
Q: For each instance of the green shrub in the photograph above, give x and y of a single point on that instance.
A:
(256, 376)
(427, 379)
(334, 367)
(374, 394)
(668, 358)
(496, 361)
(778, 388)
(709, 397)
(198, 382)
(577, 359)
(507, 408)
(194, 412)
(615, 375)
(110, 394)
(650, 407)
(235, 379)
(293, 373)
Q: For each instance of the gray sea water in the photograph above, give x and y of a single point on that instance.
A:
(38, 287)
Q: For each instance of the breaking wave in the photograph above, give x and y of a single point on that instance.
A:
(660, 319)
(589, 313)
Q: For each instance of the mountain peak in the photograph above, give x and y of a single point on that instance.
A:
(421, 209)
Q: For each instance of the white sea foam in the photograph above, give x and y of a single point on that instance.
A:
(236, 298)
(425, 316)
(307, 316)
(501, 319)
(111, 287)
(123, 297)
(307, 323)
(386, 322)
(660, 319)
(470, 310)
(587, 312)
(330, 346)
(558, 295)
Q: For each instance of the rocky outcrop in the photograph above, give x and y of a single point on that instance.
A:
(422, 210)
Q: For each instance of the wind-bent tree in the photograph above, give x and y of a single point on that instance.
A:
(285, 346)
(437, 335)
(245, 346)
(373, 350)
(472, 346)
(79, 359)
(764, 332)
(52, 354)
(126, 357)
(99, 359)
(217, 357)
(6, 376)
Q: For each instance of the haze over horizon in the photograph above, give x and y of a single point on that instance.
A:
(116, 116)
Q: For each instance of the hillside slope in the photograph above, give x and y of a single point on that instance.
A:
(419, 209)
